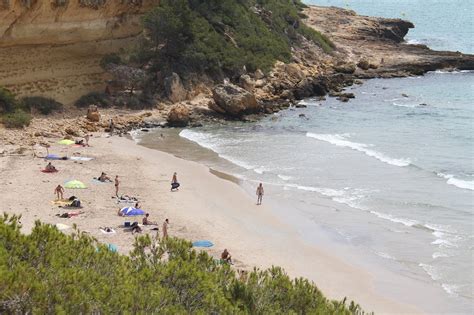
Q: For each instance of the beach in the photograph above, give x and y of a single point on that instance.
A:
(206, 207)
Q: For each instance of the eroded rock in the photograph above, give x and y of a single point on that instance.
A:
(234, 101)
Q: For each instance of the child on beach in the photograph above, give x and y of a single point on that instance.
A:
(165, 228)
(260, 193)
(50, 168)
(59, 191)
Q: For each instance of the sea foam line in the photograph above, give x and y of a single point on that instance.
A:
(451, 180)
(341, 141)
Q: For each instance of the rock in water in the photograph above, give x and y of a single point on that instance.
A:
(178, 116)
(234, 101)
(174, 88)
(93, 113)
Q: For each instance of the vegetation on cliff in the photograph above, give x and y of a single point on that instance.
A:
(222, 37)
(49, 272)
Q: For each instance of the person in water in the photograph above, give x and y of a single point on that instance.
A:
(59, 191)
(260, 193)
(50, 168)
(174, 182)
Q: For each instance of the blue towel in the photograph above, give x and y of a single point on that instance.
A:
(203, 244)
(112, 247)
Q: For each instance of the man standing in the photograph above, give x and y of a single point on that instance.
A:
(259, 194)
(117, 182)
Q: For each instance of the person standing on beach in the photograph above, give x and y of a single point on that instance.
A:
(174, 182)
(260, 193)
(165, 228)
(111, 127)
(59, 192)
(117, 182)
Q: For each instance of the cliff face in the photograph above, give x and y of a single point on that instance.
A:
(53, 47)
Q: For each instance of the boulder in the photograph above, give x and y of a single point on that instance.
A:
(364, 64)
(347, 68)
(178, 116)
(246, 82)
(174, 88)
(93, 113)
(259, 74)
(234, 101)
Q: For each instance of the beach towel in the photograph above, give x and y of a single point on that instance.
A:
(81, 158)
(96, 181)
(62, 227)
(111, 231)
(203, 243)
(112, 247)
(49, 171)
(52, 157)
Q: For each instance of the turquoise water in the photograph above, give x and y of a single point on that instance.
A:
(440, 24)
(387, 178)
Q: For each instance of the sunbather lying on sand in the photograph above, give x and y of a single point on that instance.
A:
(69, 214)
(146, 221)
(136, 228)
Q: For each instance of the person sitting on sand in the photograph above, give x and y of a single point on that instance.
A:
(165, 228)
(225, 257)
(50, 168)
(80, 142)
(120, 213)
(59, 191)
(174, 182)
(135, 228)
(146, 221)
(104, 178)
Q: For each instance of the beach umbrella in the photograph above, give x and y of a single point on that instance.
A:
(66, 142)
(75, 184)
(131, 211)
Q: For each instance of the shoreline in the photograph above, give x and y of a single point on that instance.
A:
(206, 207)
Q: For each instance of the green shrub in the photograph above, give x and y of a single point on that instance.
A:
(8, 103)
(47, 272)
(110, 59)
(43, 105)
(221, 37)
(17, 119)
(99, 99)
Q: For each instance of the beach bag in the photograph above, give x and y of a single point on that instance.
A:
(174, 185)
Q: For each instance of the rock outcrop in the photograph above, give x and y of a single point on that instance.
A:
(93, 114)
(234, 101)
(178, 116)
(174, 88)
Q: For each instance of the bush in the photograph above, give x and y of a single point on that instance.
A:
(221, 37)
(47, 271)
(99, 99)
(17, 119)
(110, 59)
(43, 105)
(8, 103)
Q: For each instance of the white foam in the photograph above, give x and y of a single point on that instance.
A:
(341, 141)
(443, 243)
(404, 105)
(451, 180)
(136, 136)
(385, 255)
(285, 177)
(439, 255)
(414, 42)
(450, 288)
(431, 271)
(406, 222)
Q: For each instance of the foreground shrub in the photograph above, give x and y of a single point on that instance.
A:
(110, 59)
(17, 119)
(43, 105)
(99, 99)
(8, 103)
(49, 272)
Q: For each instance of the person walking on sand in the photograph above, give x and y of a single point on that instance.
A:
(59, 191)
(86, 138)
(260, 193)
(117, 182)
(165, 228)
(111, 127)
(174, 182)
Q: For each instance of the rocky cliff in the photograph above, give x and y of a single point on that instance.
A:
(53, 47)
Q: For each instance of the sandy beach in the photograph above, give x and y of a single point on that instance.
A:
(206, 207)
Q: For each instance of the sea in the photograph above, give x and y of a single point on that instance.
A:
(386, 179)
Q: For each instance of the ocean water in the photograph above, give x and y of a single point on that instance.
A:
(394, 166)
